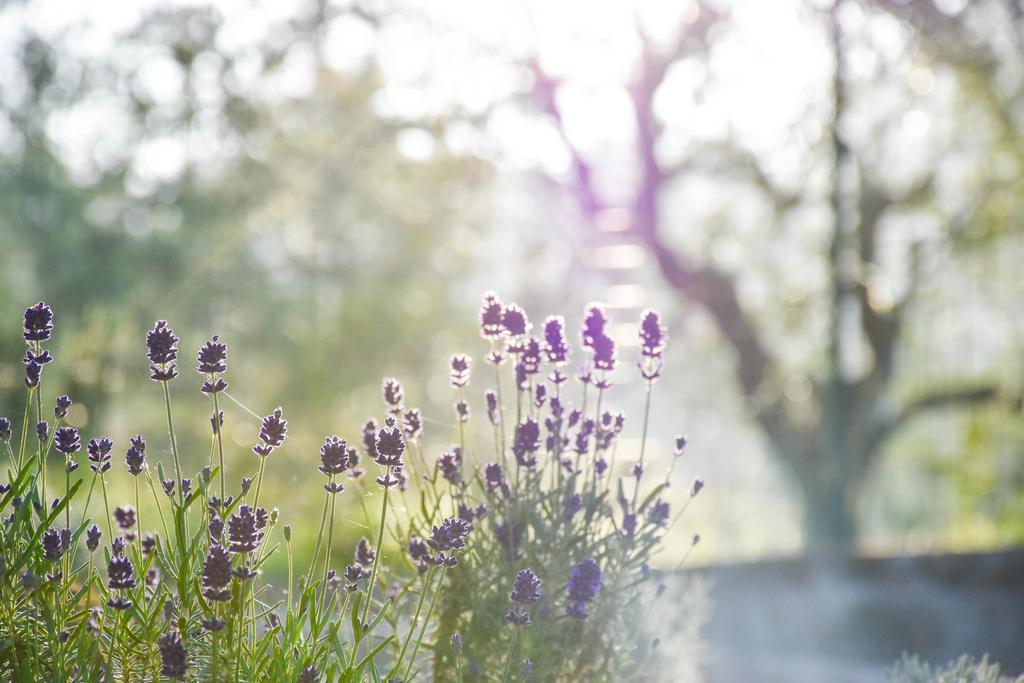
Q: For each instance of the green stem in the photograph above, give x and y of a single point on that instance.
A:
(643, 441)
(415, 621)
(106, 506)
(426, 620)
(174, 442)
(220, 440)
(508, 657)
(376, 562)
(319, 538)
(330, 541)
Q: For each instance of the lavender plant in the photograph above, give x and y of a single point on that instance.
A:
(525, 558)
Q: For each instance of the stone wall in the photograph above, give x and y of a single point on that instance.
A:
(796, 620)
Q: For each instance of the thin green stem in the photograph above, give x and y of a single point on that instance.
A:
(106, 505)
(174, 441)
(415, 621)
(508, 657)
(319, 538)
(330, 541)
(426, 620)
(376, 561)
(220, 440)
(643, 441)
(24, 429)
(376, 558)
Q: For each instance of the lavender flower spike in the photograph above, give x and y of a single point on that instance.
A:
(273, 432)
(38, 323)
(583, 586)
(491, 315)
(162, 351)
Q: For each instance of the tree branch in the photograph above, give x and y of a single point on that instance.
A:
(942, 398)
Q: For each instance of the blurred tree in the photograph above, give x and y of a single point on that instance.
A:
(240, 188)
(829, 443)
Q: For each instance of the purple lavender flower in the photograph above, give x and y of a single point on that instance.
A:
(461, 411)
(216, 528)
(604, 353)
(540, 395)
(526, 442)
(526, 668)
(652, 334)
(494, 477)
(273, 432)
(92, 537)
(573, 504)
(365, 553)
(38, 323)
(67, 440)
(698, 484)
(459, 374)
(456, 642)
(370, 438)
(493, 410)
(594, 321)
(217, 574)
(117, 546)
(135, 457)
(120, 573)
(125, 517)
(173, 657)
(517, 616)
(162, 351)
(660, 513)
(53, 549)
(680, 444)
(412, 424)
(391, 391)
(531, 359)
(526, 588)
(245, 529)
(491, 315)
(5, 429)
(556, 346)
(33, 374)
(583, 586)
(419, 553)
(389, 447)
(450, 465)
(335, 455)
(353, 573)
(42, 431)
(60, 409)
(212, 359)
(629, 524)
(99, 454)
(450, 535)
(514, 320)
(309, 675)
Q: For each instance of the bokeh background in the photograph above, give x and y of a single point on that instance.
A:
(823, 198)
